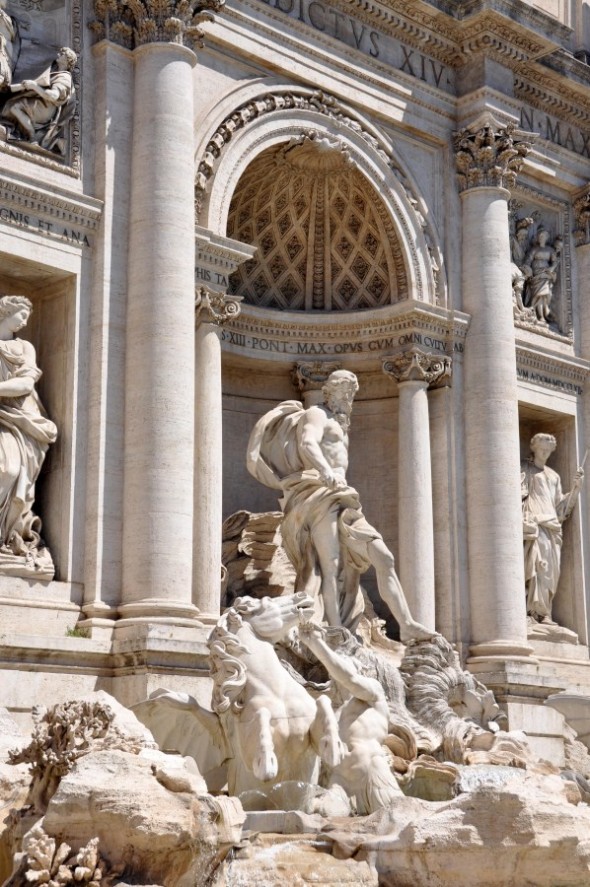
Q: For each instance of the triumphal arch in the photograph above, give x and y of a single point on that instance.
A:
(210, 208)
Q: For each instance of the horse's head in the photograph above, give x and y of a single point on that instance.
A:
(273, 618)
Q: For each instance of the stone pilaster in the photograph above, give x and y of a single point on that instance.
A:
(106, 399)
(213, 309)
(309, 376)
(160, 344)
(488, 159)
(414, 370)
(581, 208)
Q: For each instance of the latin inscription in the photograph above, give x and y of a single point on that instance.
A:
(40, 226)
(548, 381)
(208, 276)
(556, 131)
(340, 26)
(277, 346)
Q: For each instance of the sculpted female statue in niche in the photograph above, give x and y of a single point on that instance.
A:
(25, 435)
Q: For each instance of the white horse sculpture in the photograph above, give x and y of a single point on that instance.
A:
(265, 726)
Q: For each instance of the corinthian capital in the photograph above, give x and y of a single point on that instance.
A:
(132, 23)
(415, 365)
(582, 216)
(490, 155)
(311, 375)
(215, 308)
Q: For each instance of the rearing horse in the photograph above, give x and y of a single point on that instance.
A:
(269, 728)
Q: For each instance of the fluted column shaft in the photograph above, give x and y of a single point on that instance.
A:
(160, 359)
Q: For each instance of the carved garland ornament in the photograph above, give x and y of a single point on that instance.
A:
(309, 101)
(490, 156)
(415, 365)
(132, 23)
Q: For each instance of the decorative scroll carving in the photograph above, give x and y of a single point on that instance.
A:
(490, 156)
(214, 307)
(415, 365)
(582, 216)
(132, 23)
(311, 375)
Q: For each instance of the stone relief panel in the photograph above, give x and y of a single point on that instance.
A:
(325, 241)
(39, 76)
(540, 255)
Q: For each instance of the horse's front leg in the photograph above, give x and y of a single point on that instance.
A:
(265, 765)
(324, 734)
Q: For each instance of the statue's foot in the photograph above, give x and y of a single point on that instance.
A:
(415, 631)
(547, 620)
(265, 766)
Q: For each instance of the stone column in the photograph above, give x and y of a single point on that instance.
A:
(160, 344)
(414, 371)
(213, 309)
(488, 159)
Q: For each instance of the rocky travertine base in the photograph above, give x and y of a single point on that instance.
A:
(120, 813)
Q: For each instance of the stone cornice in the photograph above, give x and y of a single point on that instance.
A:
(70, 208)
(132, 23)
(366, 336)
(557, 372)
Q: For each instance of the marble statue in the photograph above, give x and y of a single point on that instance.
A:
(364, 771)
(25, 435)
(39, 110)
(519, 241)
(267, 726)
(304, 453)
(542, 264)
(545, 508)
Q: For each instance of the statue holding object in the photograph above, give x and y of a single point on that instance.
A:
(545, 508)
(38, 110)
(304, 453)
(25, 435)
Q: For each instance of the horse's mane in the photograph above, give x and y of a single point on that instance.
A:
(228, 671)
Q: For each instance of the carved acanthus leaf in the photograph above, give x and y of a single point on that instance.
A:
(415, 365)
(132, 23)
(218, 308)
(490, 156)
(310, 375)
(582, 216)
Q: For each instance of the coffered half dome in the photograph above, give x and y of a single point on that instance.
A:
(325, 239)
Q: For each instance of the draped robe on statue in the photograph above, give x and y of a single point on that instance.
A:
(545, 509)
(276, 460)
(25, 434)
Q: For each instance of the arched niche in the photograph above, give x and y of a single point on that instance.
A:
(274, 121)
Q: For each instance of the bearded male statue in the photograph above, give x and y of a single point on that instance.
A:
(304, 453)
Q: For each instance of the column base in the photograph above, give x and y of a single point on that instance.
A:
(501, 650)
(160, 611)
